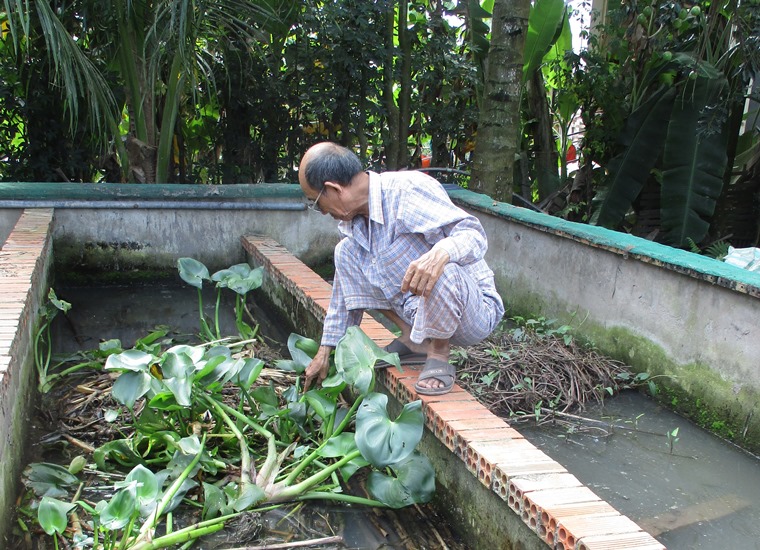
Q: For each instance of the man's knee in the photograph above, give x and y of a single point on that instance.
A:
(452, 284)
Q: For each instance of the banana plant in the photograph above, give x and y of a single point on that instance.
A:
(670, 126)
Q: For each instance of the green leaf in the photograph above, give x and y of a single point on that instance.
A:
(249, 373)
(321, 402)
(176, 365)
(265, 395)
(52, 515)
(694, 162)
(239, 278)
(544, 27)
(178, 370)
(49, 479)
(339, 445)
(165, 401)
(214, 502)
(210, 370)
(118, 450)
(381, 440)
(296, 346)
(145, 484)
(355, 358)
(131, 359)
(61, 305)
(109, 347)
(195, 353)
(130, 386)
(119, 509)
(642, 141)
(352, 467)
(192, 272)
(250, 495)
(414, 483)
(150, 339)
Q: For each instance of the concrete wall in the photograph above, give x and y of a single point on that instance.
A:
(664, 311)
(692, 319)
(8, 219)
(25, 261)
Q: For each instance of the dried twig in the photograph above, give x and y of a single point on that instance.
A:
(521, 377)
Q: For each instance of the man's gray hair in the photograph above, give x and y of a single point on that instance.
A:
(332, 163)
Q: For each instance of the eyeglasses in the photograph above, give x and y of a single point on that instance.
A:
(313, 204)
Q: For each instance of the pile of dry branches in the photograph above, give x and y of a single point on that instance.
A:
(520, 373)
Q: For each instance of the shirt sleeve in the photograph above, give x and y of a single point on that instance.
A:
(338, 317)
(427, 209)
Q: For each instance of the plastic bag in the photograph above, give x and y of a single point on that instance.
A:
(746, 258)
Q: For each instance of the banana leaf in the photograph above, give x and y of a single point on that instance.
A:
(694, 162)
(642, 141)
(544, 28)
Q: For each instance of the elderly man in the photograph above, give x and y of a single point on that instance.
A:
(407, 252)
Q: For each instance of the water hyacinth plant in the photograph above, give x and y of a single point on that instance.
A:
(198, 422)
(239, 278)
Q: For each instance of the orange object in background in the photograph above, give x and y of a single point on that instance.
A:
(572, 154)
(425, 161)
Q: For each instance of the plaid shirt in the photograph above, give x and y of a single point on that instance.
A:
(409, 213)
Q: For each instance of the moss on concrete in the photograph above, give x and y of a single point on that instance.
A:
(694, 390)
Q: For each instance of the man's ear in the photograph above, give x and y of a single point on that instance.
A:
(335, 186)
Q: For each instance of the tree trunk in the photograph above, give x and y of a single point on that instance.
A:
(405, 90)
(545, 147)
(498, 140)
(391, 139)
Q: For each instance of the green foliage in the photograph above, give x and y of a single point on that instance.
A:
(239, 278)
(546, 22)
(245, 87)
(717, 250)
(541, 327)
(42, 338)
(274, 447)
(662, 90)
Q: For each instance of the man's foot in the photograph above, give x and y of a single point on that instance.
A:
(438, 355)
(436, 378)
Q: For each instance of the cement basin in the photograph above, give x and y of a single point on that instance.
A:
(689, 489)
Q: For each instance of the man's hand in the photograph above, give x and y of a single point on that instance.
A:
(424, 272)
(318, 368)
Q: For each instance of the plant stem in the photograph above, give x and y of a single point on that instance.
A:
(295, 491)
(205, 331)
(315, 453)
(341, 497)
(240, 416)
(245, 454)
(152, 520)
(216, 312)
(183, 535)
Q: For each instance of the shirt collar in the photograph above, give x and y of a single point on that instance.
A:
(375, 198)
(348, 229)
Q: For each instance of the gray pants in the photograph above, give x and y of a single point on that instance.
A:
(459, 308)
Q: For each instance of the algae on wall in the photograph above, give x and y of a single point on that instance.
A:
(694, 390)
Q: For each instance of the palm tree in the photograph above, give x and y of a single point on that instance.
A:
(499, 123)
(159, 53)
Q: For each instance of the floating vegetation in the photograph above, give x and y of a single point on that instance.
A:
(167, 443)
